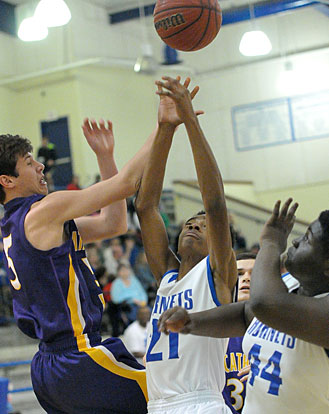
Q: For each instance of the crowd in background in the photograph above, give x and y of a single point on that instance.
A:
(121, 268)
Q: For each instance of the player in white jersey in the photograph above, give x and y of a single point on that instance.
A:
(185, 373)
(288, 343)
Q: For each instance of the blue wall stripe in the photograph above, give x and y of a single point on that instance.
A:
(230, 16)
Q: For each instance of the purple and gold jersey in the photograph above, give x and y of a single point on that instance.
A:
(55, 294)
(57, 299)
(234, 391)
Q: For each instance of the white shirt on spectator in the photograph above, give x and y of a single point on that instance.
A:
(134, 338)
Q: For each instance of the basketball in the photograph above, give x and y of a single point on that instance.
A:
(187, 25)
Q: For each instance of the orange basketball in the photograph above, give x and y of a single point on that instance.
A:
(187, 25)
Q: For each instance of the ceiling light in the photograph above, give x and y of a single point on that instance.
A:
(255, 43)
(53, 12)
(31, 29)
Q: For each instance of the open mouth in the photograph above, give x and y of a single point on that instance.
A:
(43, 181)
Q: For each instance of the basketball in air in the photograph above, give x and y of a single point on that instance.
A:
(187, 25)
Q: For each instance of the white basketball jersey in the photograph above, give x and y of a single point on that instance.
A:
(178, 364)
(287, 375)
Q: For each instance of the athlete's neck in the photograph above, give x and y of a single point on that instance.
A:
(187, 263)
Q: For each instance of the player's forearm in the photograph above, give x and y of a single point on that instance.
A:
(151, 186)
(211, 185)
(225, 321)
(113, 216)
(266, 283)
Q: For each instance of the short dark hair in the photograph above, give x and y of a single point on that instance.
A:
(246, 256)
(11, 147)
(324, 221)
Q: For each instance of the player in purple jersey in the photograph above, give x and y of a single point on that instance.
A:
(56, 297)
(236, 361)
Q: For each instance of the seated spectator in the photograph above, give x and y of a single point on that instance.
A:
(112, 255)
(112, 321)
(127, 291)
(94, 255)
(131, 249)
(135, 336)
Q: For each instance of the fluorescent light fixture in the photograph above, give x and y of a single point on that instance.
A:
(53, 13)
(31, 29)
(255, 43)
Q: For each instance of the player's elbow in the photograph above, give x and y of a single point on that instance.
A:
(261, 305)
(144, 204)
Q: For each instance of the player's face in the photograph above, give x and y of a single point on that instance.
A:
(245, 267)
(306, 257)
(30, 178)
(194, 235)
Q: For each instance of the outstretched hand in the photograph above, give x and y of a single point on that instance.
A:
(99, 137)
(175, 100)
(280, 224)
(175, 319)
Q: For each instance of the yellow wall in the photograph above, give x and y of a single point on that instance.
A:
(125, 98)
(312, 199)
(6, 110)
(35, 103)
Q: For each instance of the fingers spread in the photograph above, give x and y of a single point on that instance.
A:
(195, 91)
(276, 209)
(285, 207)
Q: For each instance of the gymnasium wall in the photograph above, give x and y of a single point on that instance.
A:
(128, 100)
(6, 110)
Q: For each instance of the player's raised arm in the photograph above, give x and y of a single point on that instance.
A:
(55, 209)
(155, 239)
(305, 316)
(112, 220)
(222, 258)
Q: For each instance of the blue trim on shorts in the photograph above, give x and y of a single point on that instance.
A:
(211, 283)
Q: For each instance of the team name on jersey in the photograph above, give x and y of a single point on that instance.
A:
(183, 299)
(259, 330)
(235, 361)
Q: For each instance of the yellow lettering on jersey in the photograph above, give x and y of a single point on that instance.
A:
(233, 366)
(7, 242)
(239, 357)
(245, 361)
(225, 364)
